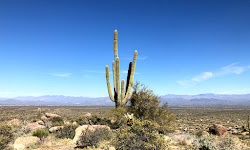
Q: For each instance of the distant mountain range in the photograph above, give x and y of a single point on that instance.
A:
(173, 100)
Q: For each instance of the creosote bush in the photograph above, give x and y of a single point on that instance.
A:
(68, 131)
(93, 138)
(145, 105)
(6, 135)
(117, 115)
(142, 135)
(40, 133)
(94, 120)
(56, 121)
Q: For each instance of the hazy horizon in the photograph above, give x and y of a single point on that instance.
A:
(184, 47)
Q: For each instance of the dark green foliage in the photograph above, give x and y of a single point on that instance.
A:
(94, 120)
(142, 135)
(145, 105)
(56, 121)
(82, 120)
(68, 131)
(97, 120)
(93, 138)
(41, 133)
(143, 102)
(6, 135)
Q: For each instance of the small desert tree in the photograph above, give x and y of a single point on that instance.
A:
(145, 105)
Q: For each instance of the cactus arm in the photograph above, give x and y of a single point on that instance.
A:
(128, 76)
(114, 74)
(131, 79)
(123, 92)
(115, 44)
(108, 84)
(118, 86)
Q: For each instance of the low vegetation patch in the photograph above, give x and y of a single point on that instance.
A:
(142, 135)
(93, 137)
(6, 135)
(68, 131)
(40, 133)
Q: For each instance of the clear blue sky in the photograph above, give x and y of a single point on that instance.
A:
(61, 47)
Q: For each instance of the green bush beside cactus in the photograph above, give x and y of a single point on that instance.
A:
(142, 135)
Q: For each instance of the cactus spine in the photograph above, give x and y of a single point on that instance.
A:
(121, 94)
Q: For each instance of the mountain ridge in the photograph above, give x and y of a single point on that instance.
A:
(172, 99)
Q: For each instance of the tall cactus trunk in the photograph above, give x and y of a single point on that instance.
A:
(121, 94)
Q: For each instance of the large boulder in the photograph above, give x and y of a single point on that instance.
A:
(14, 122)
(218, 130)
(40, 122)
(44, 119)
(50, 115)
(54, 129)
(22, 143)
(82, 128)
(88, 115)
(33, 126)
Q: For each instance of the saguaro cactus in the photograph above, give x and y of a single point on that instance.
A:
(121, 94)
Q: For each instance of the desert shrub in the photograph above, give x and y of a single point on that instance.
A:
(94, 120)
(214, 143)
(41, 133)
(142, 135)
(20, 130)
(68, 131)
(56, 121)
(205, 143)
(117, 115)
(93, 138)
(6, 135)
(48, 125)
(82, 120)
(145, 105)
(97, 120)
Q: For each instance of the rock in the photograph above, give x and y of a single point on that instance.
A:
(112, 121)
(88, 115)
(66, 122)
(204, 134)
(167, 138)
(218, 130)
(40, 122)
(14, 122)
(50, 115)
(54, 129)
(82, 128)
(44, 119)
(244, 133)
(234, 131)
(74, 123)
(33, 126)
(177, 131)
(22, 143)
(111, 148)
